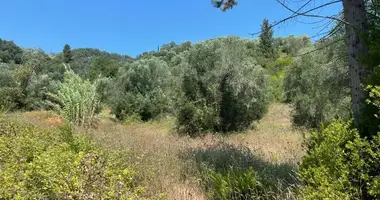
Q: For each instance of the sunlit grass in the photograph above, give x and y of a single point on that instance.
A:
(157, 152)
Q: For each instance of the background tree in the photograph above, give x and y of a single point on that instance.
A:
(266, 40)
(67, 55)
(356, 25)
(223, 90)
(9, 52)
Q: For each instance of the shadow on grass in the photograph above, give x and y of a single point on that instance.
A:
(223, 157)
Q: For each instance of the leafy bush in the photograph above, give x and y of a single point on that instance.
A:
(76, 99)
(221, 89)
(318, 88)
(234, 184)
(276, 71)
(37, 92)
(141, 89)
(11, 98)
(9, 51)
(291, 45)
(38, 164)
(341, 165)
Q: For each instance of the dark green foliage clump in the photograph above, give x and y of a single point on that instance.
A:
(9, 52)
(67, 54)
(341, 165)
(267, 40)
(86, 61)
(222, 89)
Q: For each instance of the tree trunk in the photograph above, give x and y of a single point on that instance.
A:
(355, 16)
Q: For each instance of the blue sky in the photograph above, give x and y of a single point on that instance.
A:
(132, 27)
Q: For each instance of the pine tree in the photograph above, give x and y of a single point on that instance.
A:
(266, 39)
(67, 55)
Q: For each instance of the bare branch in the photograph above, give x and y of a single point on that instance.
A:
(298, 13)
(311, 15)
(318, 49)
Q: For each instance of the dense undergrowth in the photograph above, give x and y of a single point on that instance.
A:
(42, 164)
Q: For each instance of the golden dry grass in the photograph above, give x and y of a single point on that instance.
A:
(157, 153)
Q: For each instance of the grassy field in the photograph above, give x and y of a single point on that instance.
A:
(167, 163)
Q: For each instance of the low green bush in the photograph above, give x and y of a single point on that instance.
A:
(227, 171)
(11, 98)
(234, 184)
(340, 164)
(40, 164)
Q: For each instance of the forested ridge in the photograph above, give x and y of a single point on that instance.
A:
(225, 118)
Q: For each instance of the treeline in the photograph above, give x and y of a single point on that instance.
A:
(218, 85)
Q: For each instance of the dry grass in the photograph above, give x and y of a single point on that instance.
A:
(157, 154)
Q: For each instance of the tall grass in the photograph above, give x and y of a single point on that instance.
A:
(76, 100)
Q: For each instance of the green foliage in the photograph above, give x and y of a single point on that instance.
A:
(370, 119)
(11, 98)
(318, 88)
(141, 89)
(37, 164)
(6, 76)
(277, 71)
(227, 171)
(266, 40)
(37, 92)
(76, 99)
(374, 98)
(291, 45)
(34, 59)
(67, 55)
(224, 4)
(234, 184)
(10, 52)
(103, 66)
(85, 59)
(221, 89)
(340, 165)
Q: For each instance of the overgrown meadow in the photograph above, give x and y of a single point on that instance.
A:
(227, 118)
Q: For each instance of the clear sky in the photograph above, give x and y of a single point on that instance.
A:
(134, 26)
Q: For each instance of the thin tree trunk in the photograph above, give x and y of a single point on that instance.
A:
(355, 16)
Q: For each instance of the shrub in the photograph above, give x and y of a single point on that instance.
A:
(38, 164)
(11, 98)
(221, 89)
(233, 184)
(9, 51)
(277, 71)
(318, 89)
(340, 164)
(369, 122)
(227, 171)
(141, 89)
(76, 99)
(37, 92)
